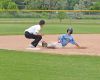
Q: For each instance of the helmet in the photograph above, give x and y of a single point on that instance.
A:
(70, 29)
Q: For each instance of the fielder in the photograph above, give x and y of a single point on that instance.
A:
(63, 40)
(33, 32)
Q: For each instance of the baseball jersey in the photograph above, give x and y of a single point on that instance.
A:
(34, 29)
(65, 39)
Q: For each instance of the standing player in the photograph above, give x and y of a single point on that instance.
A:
(34, 33)
(63, 40)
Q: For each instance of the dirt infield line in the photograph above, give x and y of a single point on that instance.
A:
(20, 43)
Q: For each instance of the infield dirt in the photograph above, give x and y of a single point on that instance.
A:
(91, 42)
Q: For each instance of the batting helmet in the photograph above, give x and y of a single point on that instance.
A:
(70, 29)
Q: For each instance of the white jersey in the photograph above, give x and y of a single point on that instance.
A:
(34, 29)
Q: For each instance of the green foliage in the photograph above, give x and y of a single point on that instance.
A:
(7, 4)
(83, 5)
(71, 3)
(45, 4)
(48, 4)
(96, 6)
(61, 15)
(12, 5)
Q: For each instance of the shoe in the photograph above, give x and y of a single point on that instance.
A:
(31, 47)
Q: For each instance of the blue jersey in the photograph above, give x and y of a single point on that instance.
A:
(65, 39)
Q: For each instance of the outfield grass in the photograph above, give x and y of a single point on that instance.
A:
(36, 20)
(35, 66)
(13, 29)
(16, 65)
(13, 26)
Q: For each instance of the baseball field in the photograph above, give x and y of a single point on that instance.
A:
(70, 63)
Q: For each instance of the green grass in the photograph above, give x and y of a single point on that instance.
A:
(16, 65)
(10, 26)
(36, 20)
(13, 29)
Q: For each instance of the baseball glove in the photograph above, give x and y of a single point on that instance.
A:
(44, 44)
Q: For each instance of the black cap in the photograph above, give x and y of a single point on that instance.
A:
(42, 22)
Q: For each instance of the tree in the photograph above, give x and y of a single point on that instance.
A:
(82, 5)
(8, 4)
(61, 16)
(87, 3)
(70, 4)
(79, 6)
(20, 3)
(96, 6)
(12, 5)
(45, 4)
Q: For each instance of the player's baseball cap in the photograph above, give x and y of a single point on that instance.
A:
(42, 22)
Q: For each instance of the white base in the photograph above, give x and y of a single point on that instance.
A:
(33, 48)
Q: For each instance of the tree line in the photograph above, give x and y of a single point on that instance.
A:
(50, 4)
